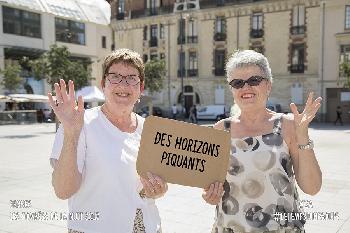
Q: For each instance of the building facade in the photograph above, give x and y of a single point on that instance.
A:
(196, 37)
(28, 28)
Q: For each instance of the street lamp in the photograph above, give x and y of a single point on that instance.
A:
(182, 62)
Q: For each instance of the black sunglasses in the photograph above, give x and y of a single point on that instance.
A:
(252, 81)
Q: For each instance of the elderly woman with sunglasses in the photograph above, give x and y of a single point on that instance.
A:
(95, 151)
(270, 153)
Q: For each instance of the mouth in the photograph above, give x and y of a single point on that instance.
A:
(248, 96)
(122, 94)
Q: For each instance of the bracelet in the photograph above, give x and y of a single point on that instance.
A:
(308, 146)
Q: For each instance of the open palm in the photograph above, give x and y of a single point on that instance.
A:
(65, 107)
(303, 119)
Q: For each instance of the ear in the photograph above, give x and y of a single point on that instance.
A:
(269, 87)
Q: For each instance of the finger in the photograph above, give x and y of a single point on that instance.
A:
(51, 101)
(80, 104)
(317, 101)
(147, 186)
(309, 99)
(215, 191)
(71, 92)
(64, 91)
(294, 109)
(160, 182)
(209, 193)
(58, 93)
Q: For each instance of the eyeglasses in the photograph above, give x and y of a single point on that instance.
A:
(252, 81)
(131, 79)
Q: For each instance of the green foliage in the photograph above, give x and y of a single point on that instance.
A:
(155, 72)
(345, 70)
(56, 64)
(11, 77)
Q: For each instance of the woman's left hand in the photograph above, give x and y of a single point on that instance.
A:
(154, 186)
(302, 120)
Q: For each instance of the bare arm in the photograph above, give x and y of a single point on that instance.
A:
(307, 171)
(66, 178)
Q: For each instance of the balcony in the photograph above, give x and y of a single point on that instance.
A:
(151, 11)
(219, 71)
(220, 36)
(204, 4)
(297, 68)
(192, 39)
(181, 74)
(256, 33)
(120, 16)
(153, 42)
(181, 40)
(298, 30)
(192, 72)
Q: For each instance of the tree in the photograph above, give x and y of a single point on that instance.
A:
(154, 72)
(345, 70)
(11, 77)
(56, 64)
(154, 75)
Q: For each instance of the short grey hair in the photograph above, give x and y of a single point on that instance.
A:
(246, 58)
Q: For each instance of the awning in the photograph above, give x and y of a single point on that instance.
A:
(91, 94)
(28, 98)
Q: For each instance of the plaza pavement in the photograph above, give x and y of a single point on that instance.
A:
(25, 174)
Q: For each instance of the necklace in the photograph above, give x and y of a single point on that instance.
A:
(129, 128)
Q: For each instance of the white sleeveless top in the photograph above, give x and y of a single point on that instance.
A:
(259, 183)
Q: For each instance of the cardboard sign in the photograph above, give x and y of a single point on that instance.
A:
(183, 153)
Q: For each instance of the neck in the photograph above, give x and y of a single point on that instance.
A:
(251, 117)
(121, 118)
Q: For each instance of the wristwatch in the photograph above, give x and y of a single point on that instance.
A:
(308, 146)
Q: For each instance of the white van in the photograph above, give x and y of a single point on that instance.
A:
(211, 112)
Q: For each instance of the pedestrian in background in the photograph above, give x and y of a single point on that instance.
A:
(339, 118)
(174, 111)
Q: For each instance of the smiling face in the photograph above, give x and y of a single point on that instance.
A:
(121, 95)
(250, 97)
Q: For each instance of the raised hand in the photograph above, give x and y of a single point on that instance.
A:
(68, 112)
(302, 120)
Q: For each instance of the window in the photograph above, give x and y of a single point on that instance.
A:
(70, 31)
(344, 57)
(104, 43)
(193, 63)
(193, 60)
(219, 62)
(257, 21)
(347, 17)
(297, 58)
(220, 24)
(152, 7)
(121, 6)
(161, 31)
(192, 30)
(19, 22)
(182, 32)
(154, 35)
(145, 33)
(299, 15)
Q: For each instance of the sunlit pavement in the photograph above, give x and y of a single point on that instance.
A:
(25, 174)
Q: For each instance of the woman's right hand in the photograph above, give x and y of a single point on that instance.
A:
(213, 194)
(67, 111)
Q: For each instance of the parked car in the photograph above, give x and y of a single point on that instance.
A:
(144, 111)
(274, 107)
(212, 112)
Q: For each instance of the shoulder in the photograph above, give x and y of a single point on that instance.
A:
(91, 114)
(221, 124)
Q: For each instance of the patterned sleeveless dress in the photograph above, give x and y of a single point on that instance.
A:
(259, 186)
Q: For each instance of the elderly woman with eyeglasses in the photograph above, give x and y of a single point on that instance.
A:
(270, 154)
(95, 151)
